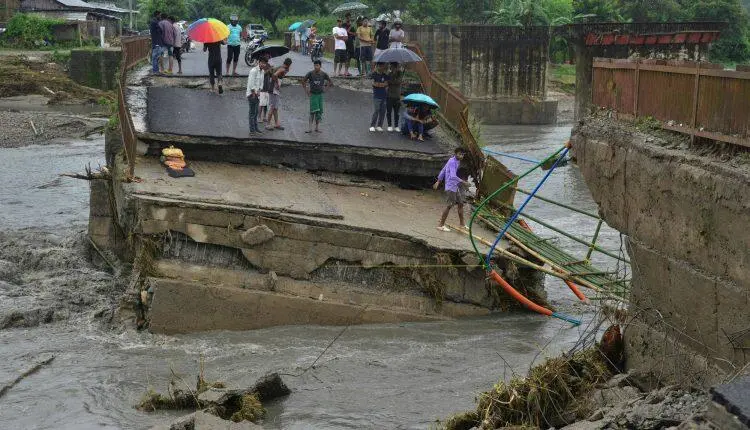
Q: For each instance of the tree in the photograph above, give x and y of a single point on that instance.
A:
(272, 10)
(597, 11)
(652, 10)
(471, 11)
(733, 45)
(175, 8)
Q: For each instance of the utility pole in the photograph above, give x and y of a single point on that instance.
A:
(130, 12)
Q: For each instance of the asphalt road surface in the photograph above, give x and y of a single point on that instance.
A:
(195, 63)
(346, 118)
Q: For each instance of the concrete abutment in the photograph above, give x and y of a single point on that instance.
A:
(686, 218)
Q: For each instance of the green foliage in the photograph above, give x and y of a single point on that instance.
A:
(597, 11)
(653, 10)
(61, 57)
(30, 30)
(273, 10)
(175, 8)
(733, 45)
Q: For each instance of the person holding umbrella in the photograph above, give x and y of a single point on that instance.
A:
(211, 32)
(393, 104)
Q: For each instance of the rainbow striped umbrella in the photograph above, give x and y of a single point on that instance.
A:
(208, 30)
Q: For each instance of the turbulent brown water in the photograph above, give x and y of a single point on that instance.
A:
(378, 376)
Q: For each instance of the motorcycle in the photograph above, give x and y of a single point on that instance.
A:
(186, 42)
(316, 52)
(254, 44)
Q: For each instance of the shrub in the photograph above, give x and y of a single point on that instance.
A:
(29, 30)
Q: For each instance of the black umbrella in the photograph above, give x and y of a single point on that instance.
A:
(397, 55)
(270, 51)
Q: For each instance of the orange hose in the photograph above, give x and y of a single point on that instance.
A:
(574, 288)
(518, 296)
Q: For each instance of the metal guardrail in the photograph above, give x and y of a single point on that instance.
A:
(134, 50)
(698, 99)
(454, 111)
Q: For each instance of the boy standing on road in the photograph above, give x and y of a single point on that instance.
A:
(274, 101)
(157, 43)
(364, 35)
(394, 97)
(265, 92)
(454, 197)
(234, 40)
(167, 35)
(382, 38)
(254, 85)
(177, 48)
(379, 96)
(318, 80)
(339, 53)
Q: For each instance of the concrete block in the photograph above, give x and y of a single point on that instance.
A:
(101, 226)
(257, 235)
(99, 198)
(95, 68)
(214, 217)
(514, 111)
(182, 307)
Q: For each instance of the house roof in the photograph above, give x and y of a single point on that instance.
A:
(73, 15)
(110, 7)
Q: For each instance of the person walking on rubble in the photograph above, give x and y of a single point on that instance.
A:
(453, 194)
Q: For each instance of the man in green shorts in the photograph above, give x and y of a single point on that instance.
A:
(318, 80)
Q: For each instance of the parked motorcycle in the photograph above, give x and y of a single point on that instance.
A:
(316, 52)
(186, 44)
(254, 44)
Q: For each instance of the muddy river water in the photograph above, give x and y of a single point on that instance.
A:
(379, 376)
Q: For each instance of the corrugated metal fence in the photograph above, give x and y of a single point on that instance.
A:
(134, 50)
(698, 99)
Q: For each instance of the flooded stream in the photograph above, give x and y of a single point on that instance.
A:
(390, 376)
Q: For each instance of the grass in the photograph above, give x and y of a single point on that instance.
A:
(553, 392)
(563, 76)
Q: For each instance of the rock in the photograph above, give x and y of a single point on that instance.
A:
(213, 396)
(206, 421)
(257, 235)
(618, 381)
(186, 422)
(597, 415)
(271, 387)
(613, 396)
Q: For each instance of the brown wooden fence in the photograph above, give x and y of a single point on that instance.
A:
(134, 50)
(699, 99)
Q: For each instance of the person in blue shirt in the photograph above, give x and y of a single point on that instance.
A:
(233, 44)
(380, 81)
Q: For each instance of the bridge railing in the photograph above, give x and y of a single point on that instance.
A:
(454, 108)
(134, 50)
(698, 99)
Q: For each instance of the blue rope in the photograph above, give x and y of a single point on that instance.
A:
(517, 157)
(520, 209)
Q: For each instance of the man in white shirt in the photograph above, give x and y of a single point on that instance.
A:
(339, 54)
(254, 85)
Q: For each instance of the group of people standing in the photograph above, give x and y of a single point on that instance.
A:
(166, 41)
(302, 39)
(264, 94)
(360, 43)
